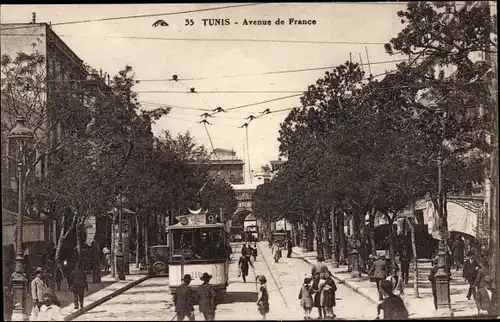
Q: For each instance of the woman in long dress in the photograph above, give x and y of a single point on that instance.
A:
(328, 296)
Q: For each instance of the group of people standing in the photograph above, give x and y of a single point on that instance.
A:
(184, 299)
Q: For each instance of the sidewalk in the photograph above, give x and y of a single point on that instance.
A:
(108, 288)
(417, 307)
(97, 293)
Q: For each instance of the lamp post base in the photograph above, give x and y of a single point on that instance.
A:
(19, 288)
(119, 267)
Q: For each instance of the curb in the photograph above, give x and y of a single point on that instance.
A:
(104, 299)
(349, 284)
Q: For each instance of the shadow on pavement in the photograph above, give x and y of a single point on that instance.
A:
(240, 297)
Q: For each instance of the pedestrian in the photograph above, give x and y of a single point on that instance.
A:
(206, 295)
(379, 273)
(8, 304)
(369, 265)
(404, 258)
(229, 251)
(317, 288)
(458, 252)
(393, 306)
(79, 285)
(432, 279)
(263, 297)
(396, 282)
(471, 268)
(244, 250)
(38, 287)
(243, 266)
(320, 266)
(51, 308)
(328, 296)
(254, 253)
(107, 258)
(277, 254)
(305, 297)
(483, 301)
(183, 300)
(289, 246)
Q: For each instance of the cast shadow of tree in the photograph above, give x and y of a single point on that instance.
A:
(240, 297)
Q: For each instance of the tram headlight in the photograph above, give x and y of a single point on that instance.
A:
(183, 220)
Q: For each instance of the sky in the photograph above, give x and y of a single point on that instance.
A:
(158, 56)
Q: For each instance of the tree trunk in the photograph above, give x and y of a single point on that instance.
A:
(113, 237)
(342, 240)
(326, 241)
(317, 233)
(146, 240)
(371, 232)
(411, 223)
(310, 237)
(79, 245)
(137, 230)
(391, 238)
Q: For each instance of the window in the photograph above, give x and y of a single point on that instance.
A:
(198, 244)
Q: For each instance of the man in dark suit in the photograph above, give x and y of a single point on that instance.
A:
(405, 264)
(206, 295)
(470, 272)
(183, 300)
(379, 271)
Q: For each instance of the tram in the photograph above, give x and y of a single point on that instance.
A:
(199, 244)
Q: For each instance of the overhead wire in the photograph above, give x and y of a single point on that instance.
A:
(282, 41)
(138, 16)
(275, 72)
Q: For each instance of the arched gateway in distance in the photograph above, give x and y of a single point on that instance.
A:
(244, 210)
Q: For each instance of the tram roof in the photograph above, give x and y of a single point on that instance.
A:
(179, 226)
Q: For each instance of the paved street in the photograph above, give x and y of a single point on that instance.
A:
(151, 300)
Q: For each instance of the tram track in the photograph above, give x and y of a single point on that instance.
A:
(267, 271)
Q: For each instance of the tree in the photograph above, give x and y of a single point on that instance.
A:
(451, 39)
(219, 195)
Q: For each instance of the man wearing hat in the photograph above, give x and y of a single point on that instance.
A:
(38, 287)
(206, 295)
(471, 267)
(379, 271)
(183, 300)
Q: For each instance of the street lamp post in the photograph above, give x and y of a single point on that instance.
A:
(442, 278)
(119, 252)
(21, 135)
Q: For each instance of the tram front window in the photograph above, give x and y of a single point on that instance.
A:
(198, 244)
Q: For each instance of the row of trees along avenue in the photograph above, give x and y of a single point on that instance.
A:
(105, 148)
(359, 145)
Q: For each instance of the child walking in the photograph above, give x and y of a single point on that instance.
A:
(263, 297)
(305, 297)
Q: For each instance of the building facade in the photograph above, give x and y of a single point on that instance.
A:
(63, 82)
(226, 165)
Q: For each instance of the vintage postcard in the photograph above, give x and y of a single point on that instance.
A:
(250, 161)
